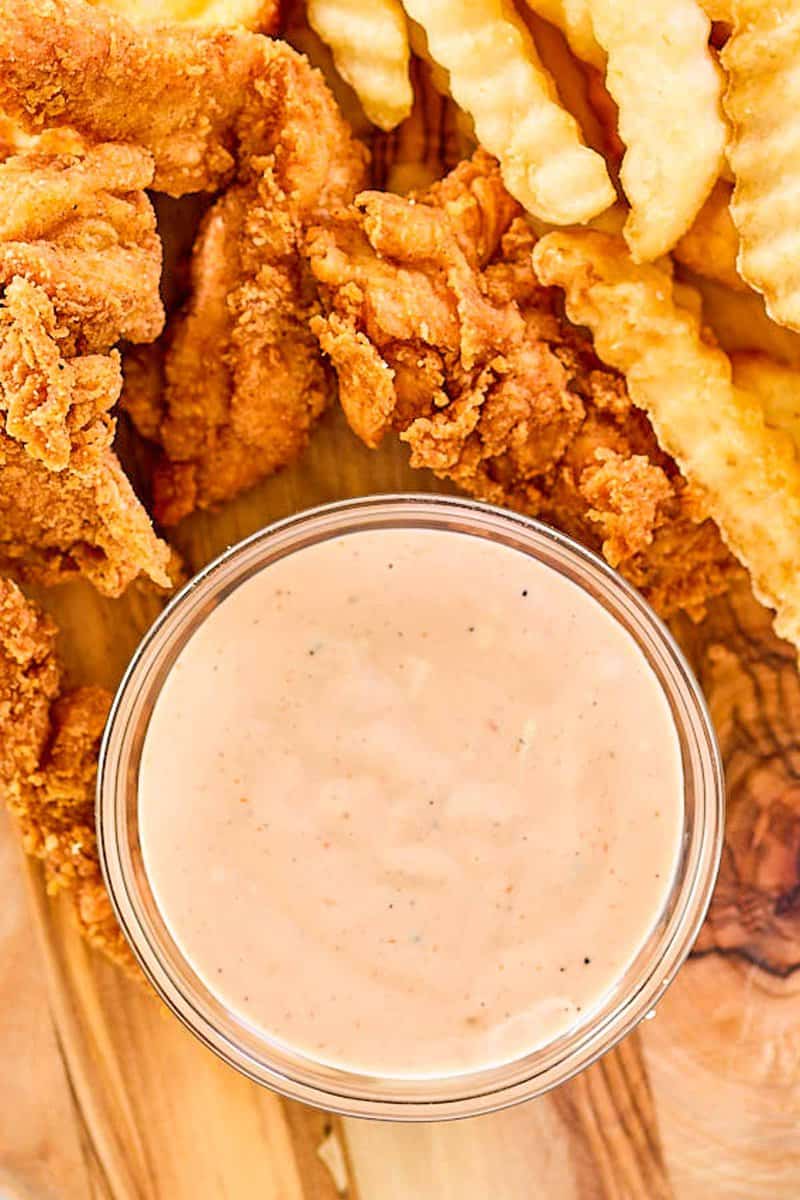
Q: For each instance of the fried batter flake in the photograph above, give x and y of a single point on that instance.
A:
(48, 765)
(438, 329)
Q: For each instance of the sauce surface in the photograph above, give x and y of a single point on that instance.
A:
(410, 802)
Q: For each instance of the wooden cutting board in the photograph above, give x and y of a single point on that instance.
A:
(105, 1095)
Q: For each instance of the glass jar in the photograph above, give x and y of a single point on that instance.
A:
(292, 1073)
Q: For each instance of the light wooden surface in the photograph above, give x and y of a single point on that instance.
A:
(105, 1095)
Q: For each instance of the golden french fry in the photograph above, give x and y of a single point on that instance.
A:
(572, 78)
(718, 10)
(610, 221)
(253, 14)
(419, 44)
(439, 80)
(740, 322)
(299, 34)
(712, 244)
(689, 298)
(762, 58)
(496, 76)
(776, 387)
(369, 40)
(663, 77)
(574, 20)
(746, 472)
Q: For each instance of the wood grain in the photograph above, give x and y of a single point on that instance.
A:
(680, 1109)
(152, 1112)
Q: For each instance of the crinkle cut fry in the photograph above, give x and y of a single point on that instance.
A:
(746, 472)
(438, 329)
(496, 76)
(243, 380)
(674, 149)
(48, 764)
(762, 62)
(369, 41)
(65, 503)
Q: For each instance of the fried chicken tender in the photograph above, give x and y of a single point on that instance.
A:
(439, 330)
(81, 228)
(65, 503)
(202, 101)
(175, 90)
(80, 262)
(48, 765)
(243, 382)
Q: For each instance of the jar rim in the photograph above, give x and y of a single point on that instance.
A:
(291, 1073)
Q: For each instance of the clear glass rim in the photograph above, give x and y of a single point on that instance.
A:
(338, 1090)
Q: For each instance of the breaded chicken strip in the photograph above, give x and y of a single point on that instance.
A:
(202, 101)
(178, 91)
(65, 503)
(80, 227)
(438, 329)
(79, 269)
(241, 384)
(243, 381)
(48, 765)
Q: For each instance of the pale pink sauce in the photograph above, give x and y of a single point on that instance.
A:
(410, 802)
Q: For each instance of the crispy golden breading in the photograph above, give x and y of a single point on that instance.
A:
(81, 228)
(54, 406)
(746, 472)
(48, 765)
(243, 379)
(203, 102)
(439, 329)
(177, 91)
(65, 504)
(243, 382)
(29, 682)
(80, 262)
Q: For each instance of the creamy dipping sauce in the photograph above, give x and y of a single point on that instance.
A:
(410, 802)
